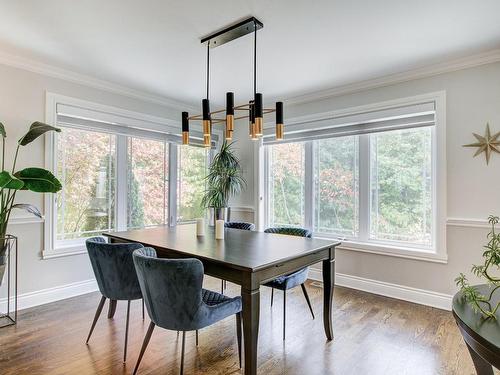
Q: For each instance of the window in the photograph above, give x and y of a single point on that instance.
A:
(336, 186)
(86, 168)
(369, 178)
(192, 170)
(401, 186)
(286, 184)
(147, 183)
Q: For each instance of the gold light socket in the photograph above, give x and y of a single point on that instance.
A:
(280, 131)
(259, 126)
(253, 134)
(206, 127)
(185, 138)
(230, 122)
(207, 140)
(229, 135)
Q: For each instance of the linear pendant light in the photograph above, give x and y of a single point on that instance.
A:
(254, 110)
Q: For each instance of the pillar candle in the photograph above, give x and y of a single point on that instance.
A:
(200, 227)
(219, 230)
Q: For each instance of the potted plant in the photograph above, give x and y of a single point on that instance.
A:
(224, 180)
(491, 255)
(34, 179)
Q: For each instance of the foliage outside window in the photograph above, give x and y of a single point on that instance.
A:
(385, 197)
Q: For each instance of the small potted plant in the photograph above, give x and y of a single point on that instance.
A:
(38, 180)
(224, 180)
(479, 302)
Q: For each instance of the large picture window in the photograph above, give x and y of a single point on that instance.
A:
(368, 179)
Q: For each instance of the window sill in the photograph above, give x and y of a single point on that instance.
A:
(64, 251)
(391, 250)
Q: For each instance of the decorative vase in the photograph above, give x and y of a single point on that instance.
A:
(221, 213)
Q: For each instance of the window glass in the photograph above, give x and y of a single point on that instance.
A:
(336, 189)
(147, 183)
(286, 184)
(401, 186)
(86, 169)
(192, 170)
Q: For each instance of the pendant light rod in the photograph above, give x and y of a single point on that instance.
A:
(255, 59)
(208, 68)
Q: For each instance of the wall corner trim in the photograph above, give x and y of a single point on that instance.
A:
(405, 293)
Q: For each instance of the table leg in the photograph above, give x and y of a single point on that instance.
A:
(482, 367)
(251, 310)
(328, 285)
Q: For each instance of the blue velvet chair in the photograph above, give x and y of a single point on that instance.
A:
(294, 279)
(236, 225)
(114, 271)
(176, 300)
(239, 225)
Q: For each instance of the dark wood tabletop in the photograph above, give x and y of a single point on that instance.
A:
(242, 249)
(482, 336)
(247, 258)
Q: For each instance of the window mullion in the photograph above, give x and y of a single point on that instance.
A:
(172, 184)
(121, 182)
(309, 185)
(364, 187)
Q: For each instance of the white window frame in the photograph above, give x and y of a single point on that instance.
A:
(156, 127)
(437, 252)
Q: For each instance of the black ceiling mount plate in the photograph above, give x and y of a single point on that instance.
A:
(233, 32)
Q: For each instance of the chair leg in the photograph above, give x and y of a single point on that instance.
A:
(222, 286)
(144, 345)
(238, 334)
(96, 317)
(196, 337)
(126, 332)
(182, 351)
(272, 296)
(284, 313)
(143, 309)
(304, 290)
(112, 308)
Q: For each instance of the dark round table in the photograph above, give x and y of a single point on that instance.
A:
(482, 336)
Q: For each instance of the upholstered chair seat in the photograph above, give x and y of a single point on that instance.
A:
(175, 299)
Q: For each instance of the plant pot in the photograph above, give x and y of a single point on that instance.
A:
(222, 213)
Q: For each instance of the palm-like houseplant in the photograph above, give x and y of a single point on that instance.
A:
(38, 180)
(224, 180)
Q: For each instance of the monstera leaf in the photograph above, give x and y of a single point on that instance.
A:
(8, 181)
(2, 130)
(36, 129)
(29, 208)
(39, 180)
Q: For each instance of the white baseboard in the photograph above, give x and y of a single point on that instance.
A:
(406, 293)
(57, 293)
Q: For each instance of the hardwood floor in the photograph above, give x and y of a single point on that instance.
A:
(373, 335)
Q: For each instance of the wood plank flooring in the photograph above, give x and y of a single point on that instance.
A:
(373, 335)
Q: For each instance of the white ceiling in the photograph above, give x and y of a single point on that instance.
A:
(305, 46)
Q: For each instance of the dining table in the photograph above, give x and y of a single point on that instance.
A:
(246, 258)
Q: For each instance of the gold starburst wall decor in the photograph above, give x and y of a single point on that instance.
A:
(487, 143)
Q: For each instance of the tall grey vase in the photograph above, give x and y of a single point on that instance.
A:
(223, 213)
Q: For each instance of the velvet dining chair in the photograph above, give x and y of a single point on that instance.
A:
(294, 279)
(116, 277)
(175, 299)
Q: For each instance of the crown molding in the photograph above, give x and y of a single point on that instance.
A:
(471, 61)
(89, 81)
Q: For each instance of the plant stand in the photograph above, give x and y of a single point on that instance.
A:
(8, 304)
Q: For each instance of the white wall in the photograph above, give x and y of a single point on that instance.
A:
(22, 101)
(473, 98)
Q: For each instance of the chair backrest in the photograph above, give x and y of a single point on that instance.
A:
(172, 290)
(291, 231)
(114, 268)
(239, 225)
